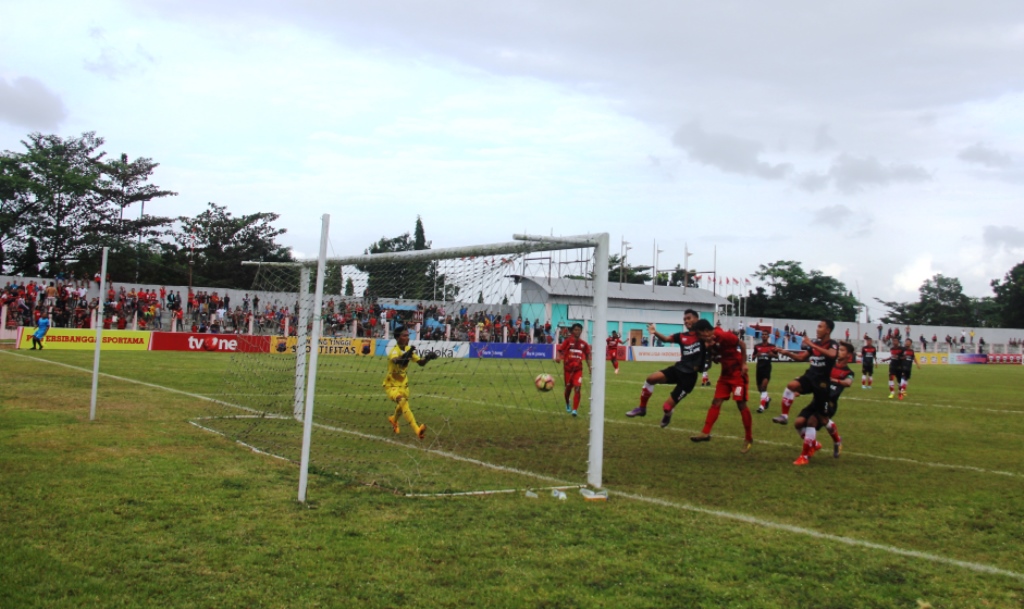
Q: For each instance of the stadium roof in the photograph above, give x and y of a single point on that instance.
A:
(561, 286)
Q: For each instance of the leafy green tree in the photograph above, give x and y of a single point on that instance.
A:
(942, 302)
(415, 280)
(350, 288)
(1009, 297)
(793, 292)
(222, 243)
(27, 261)
(17, 209)
(71, 216)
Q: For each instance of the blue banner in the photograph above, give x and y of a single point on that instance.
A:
(512, 350)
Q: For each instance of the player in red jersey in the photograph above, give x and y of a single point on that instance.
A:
(764, 353)
(821, 355)
(727, 348)
(682, 374)
(573, 352)
(868, 355)
(612, 350)
(908, 362)
(895, 366)
(819, 413)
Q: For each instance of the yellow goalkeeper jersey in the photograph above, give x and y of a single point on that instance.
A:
(397, 376)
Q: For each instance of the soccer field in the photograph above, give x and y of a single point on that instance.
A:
(140, 509)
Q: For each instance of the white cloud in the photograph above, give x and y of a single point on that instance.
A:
(27, 102)
(913, 274)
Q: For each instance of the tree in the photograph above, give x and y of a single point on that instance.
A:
(1009, 297)
(797, 293)
(942, 302)
(414, 280)
(70, 215)
(125, 183)
(17, 208)
(222, 243)
(350, 288)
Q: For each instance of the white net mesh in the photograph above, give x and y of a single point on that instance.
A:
(492, 323)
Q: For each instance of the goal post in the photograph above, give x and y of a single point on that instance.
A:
(489, 318)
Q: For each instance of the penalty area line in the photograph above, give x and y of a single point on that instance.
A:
(734, 516)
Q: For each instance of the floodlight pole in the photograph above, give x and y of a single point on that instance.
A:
(99, 337)
(314, 351)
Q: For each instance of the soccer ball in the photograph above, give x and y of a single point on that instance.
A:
(544, 382)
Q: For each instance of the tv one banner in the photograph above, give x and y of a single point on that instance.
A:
(73, 339)
(209, 343)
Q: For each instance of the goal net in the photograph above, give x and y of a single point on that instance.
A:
(486, 321)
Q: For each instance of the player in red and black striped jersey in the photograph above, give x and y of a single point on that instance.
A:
(907, 366)
(868, 355)
(819, 413)
(821, 354)
(573, 352)
(895, 365)
(683, 374)
(764, 353)
(612, 349)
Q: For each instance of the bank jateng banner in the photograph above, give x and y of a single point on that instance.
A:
(512, 350)
(62, 338)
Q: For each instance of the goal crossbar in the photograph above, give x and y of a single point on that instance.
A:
(522, 244)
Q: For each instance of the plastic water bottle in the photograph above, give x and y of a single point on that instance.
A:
(557, 494)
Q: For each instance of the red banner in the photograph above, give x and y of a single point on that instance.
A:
(1004, 358)
(214, 343)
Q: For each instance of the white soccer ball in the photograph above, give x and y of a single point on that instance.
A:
(544, 382)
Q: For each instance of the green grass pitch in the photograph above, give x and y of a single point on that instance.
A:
(141, 509)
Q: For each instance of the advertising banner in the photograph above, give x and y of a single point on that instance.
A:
(511, 350)
(63, 338)
(1004, 358)
(441, 348)
(211, 343)
(656, 354)
(932, 358)
(968, 358)
(328, 345)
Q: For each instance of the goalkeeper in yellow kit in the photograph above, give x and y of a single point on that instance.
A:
(396, 383)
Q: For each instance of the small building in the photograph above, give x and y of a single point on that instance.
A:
(631, 307)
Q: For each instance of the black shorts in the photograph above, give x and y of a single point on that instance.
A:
(868, 369)
(684, 382)
(905, 373)
(896, 371)
(763, 373)
(821, 409)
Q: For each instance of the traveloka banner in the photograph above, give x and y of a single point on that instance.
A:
(210, 343)
(512, 350)
(442, 348)
(68, 339)
(328, 345)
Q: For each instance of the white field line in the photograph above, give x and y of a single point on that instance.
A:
(850, 541)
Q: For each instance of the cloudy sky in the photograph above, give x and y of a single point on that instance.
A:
(879, 142)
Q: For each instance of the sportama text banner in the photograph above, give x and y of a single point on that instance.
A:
(67, 339)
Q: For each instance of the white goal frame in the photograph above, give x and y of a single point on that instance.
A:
(306, 364)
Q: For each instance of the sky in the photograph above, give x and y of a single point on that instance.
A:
(878, 142)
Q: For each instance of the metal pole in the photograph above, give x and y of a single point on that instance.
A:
(99, 337)
(597, 387)
(314, 351)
